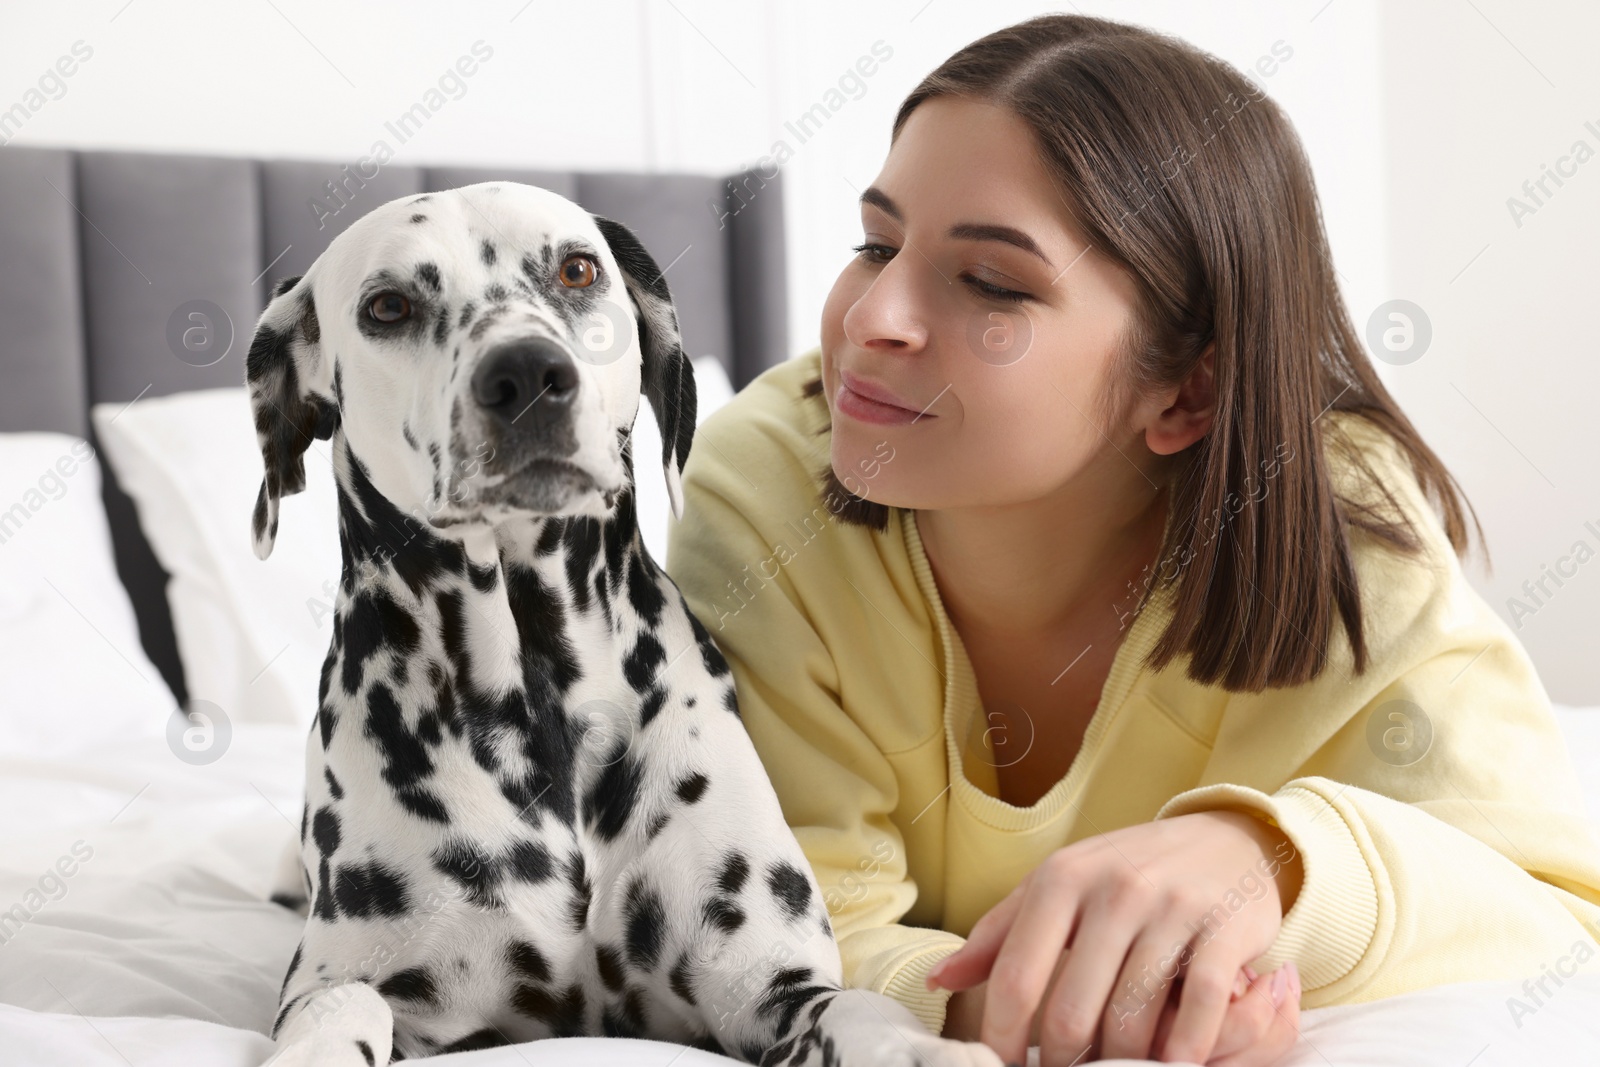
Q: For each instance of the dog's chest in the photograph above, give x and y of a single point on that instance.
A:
(448, 770)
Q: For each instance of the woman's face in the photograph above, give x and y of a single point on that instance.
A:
(999, 356)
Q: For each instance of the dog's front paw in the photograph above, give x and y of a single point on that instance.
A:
(860, 1028)
(347, 1025)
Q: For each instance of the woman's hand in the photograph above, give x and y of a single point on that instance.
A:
(1190, 898)
(1261, 1025)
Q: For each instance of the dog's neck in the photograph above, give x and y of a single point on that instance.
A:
(503, 599)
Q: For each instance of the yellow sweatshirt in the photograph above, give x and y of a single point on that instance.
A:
(1474, 861)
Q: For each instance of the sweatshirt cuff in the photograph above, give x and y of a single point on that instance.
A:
(902, 979)
(1335, 916)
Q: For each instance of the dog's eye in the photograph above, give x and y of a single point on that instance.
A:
(389, 307)
(578, 272)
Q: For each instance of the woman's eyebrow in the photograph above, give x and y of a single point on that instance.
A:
(961, 231)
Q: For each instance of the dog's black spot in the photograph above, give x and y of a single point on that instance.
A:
(495, 294)
(651, 705)
(730, 701)
(647, 925)
(374, 617)
(323, 905)
(633, 1010)
(476, 873)
(542, 627)
(681, 980)
(789, 884)
(552, 533)
(325, 831)
(786, 993)
(724, 914)
(410, 438)
(294, 965)
(423, 803)
(658, 823)
(712, 656)
(423, 197)
(283, 1012)
(643, 593)
(529, 861)
(624, 1019)
(609, 965)
(581, 536)
(441, 325)
(325, 680)
(563, 1014)
(428, 275)
(582, 891)
(374, 531)
(779, 1053)
(641, 664)
(419, 217)
(486, 252)
(366, 890)
(615, 793)
(487, 1037)
(693, 787)
(366, 1051)
(528, 961)
(413, 983)
(283, 285)
(735, 869)
(484, 578)
(327, 719)
(406, 760)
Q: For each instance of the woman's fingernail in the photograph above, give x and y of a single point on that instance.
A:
(1239, 985)
(1280, 985)
(1294, 980)
(1250, 973)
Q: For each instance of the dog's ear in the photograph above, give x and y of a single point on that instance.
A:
(668, 376)
(291, 398)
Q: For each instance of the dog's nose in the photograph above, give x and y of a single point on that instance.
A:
(518, 375)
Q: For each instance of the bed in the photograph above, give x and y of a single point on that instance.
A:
(140, 845)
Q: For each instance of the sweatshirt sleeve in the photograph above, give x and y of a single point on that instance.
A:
(1432, 800)
(835, 787)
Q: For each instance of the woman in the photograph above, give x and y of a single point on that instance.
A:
(1085, 601)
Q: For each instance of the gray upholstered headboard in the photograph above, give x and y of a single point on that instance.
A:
(99, 249)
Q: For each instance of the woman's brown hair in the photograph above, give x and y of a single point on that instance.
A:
(1183, 171)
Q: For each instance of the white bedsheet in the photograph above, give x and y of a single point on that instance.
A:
(161, 947)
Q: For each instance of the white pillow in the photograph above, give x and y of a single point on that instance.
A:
(70, 655)
(252, 634)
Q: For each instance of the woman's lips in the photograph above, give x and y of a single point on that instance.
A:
(881, 407)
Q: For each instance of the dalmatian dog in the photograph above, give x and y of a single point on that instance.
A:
(531, 807)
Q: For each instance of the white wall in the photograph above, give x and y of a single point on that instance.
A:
(1481, 97)
(1418, 122)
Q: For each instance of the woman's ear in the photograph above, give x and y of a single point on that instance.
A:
(1186, 413)
(667, 377)
(292, 398)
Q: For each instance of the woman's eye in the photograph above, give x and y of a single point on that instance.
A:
(873, 252)
(579, 272)
(389, 307)
(994, 291)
